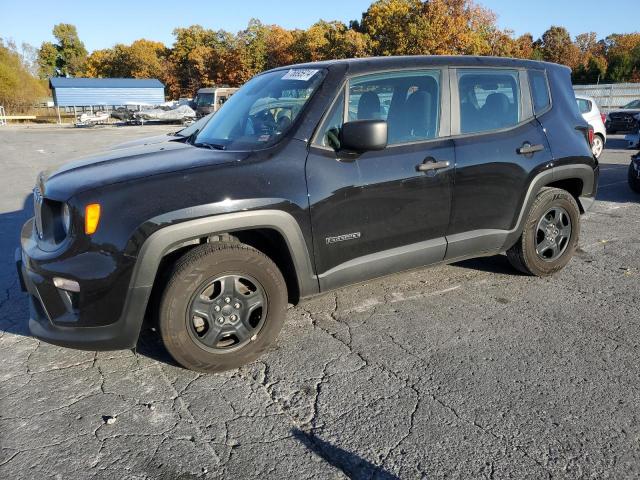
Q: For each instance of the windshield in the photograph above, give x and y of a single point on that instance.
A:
(634, 104)
(204, 99)
(262, 110)
(191, 129)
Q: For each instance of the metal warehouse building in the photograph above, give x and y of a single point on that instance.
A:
(79, 92)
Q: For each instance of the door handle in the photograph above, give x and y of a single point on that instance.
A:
(430, 164)
(528, 149)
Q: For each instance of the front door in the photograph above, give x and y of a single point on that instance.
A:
(382, 211)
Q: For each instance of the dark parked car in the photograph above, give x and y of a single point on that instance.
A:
(309, 178)
(623, 120)
(634, 173)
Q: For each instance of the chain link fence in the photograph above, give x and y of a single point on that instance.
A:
(610, 96)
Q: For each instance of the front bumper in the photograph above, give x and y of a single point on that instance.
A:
(620, 125)
(55, 315)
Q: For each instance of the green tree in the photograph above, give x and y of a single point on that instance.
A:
(71, 51)
(65, 58)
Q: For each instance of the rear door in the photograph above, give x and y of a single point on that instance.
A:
(382, 211)
(499, 147)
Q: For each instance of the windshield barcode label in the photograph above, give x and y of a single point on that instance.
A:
(302, 74)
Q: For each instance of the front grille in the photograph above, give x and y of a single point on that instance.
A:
(621, 117)
(37, 208)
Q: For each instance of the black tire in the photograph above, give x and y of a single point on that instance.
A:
(191, 272)
(524, 255)
(634, 181)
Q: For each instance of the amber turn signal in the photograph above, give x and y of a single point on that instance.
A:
(91, 218)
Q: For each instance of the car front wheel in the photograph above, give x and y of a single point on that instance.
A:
(223, 307)
(550, 234)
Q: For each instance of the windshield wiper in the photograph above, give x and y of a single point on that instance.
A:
(211, 146)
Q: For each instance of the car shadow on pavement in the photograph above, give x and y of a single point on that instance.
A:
(613, 184)
(616, 144)
(14, 316)
(498, 264)
(150, 345)
(352, 465)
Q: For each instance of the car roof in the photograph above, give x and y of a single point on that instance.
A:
(357, 65)
(584, 97)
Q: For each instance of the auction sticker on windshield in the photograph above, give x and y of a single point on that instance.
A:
(302, 74)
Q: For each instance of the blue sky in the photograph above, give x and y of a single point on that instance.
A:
(102, 24)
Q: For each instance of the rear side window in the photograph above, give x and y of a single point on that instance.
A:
(539, 91)
(584, 105)
(489, 99)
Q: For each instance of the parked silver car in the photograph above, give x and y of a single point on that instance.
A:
(591, 113)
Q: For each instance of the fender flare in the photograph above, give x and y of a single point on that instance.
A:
(583, 172)
(492, 241)
(158, 244)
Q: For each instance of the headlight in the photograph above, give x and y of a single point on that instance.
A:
(66, 218)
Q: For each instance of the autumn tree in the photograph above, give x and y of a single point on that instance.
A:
(392, 26)
(622, 55)
(556, 46)
(18, 87)
(280, 46)
(201, 57)
(192, 57)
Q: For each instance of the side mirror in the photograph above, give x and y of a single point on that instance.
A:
(364, 135)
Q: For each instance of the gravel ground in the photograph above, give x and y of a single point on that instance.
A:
(462, 371)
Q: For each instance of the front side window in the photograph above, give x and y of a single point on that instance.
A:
(489, 99)
(409, 101)
(263, 110)
(634, 104)
(584, 105)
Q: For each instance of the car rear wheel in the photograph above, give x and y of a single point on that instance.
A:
(550, 234)
(223, 306)
(598, 145)
(634, 181)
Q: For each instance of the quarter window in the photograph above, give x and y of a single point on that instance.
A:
(330, 136)
(489, 99)
(539, 91)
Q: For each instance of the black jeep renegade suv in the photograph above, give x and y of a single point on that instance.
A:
(309, 178)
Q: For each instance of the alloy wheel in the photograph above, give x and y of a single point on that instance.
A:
(227, 312)
(598, 146)
(553, 234)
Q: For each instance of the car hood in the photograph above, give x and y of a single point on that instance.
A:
(126, 164)
(146, 141)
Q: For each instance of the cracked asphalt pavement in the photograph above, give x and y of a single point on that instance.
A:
(463, 371)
